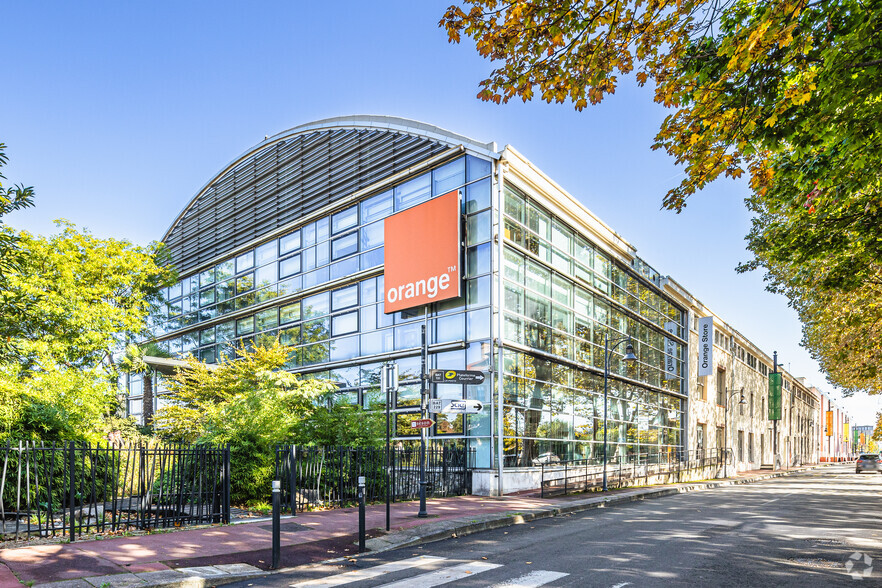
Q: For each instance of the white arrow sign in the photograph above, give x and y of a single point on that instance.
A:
(437, 405)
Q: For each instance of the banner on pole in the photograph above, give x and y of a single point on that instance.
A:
(705, 346)
(670, 352)
(775, 384)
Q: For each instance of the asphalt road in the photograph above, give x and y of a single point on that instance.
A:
(820, 528)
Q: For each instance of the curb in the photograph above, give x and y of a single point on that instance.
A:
(457, 528)
(201, 577)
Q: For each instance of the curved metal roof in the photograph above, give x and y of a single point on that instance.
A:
(351, 122)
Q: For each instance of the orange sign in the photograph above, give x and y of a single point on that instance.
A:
(422, 254)
(829, 423)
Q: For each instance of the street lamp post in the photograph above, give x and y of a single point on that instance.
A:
(629, 356)
(726, 426)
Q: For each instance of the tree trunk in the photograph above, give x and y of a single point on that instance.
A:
(147, 400)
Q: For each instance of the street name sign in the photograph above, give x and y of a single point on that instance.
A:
(468, 377)
(421, 423)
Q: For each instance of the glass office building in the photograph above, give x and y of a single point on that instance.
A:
(287, 241)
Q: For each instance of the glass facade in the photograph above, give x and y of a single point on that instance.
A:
(562, 296)
(318, 286)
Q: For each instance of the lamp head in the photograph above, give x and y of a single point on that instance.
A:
(629, 352)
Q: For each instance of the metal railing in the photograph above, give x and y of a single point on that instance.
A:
(327, 476)
(579, 475)
(70, 489)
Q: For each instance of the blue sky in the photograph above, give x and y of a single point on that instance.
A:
(118, 112)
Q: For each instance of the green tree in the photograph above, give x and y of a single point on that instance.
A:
(14, 306)
(82, 296)
(247, 396)
(52, 403)
(786, 92)
(253, 404)
(86, 296)
(136, 361)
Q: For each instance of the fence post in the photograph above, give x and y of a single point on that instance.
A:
(72, 462)
(340, 475)
(292, 473)
(566, 476)
(542, 483)
(225, 517)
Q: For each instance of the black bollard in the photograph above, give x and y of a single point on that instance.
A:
(277, 507)
(361, 548)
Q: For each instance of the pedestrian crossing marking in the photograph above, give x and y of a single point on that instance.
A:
(532, 580)
(444, 576)
(367, 574)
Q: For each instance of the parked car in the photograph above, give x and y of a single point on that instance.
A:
(867, 462)
(548, 457)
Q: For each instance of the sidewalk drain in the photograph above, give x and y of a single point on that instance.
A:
(825, 541)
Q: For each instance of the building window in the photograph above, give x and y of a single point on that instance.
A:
(721, 387)
(701, 391)
(699, 437)
(750, 447)
(740, 445)
(721, 437)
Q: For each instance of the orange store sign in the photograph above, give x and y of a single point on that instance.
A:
(422, 254)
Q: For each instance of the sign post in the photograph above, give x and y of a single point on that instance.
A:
(423, 414)
(389, 382)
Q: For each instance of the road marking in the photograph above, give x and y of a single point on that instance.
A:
(367, 574)
(778, 498)
(532, 580)
(622, 584)
(444, 576)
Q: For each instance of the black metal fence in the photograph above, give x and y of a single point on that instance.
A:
(328, 476)
(581, 475)
(70, 489)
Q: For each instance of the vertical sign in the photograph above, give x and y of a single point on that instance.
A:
(829, 423)
(670, 352)
(705, 346)
(845, 432)
(775, 383)
(422, 254)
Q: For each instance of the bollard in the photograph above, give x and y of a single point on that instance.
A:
(277, 504)
(361, 548)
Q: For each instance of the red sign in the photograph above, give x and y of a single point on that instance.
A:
(421, 423)
(422, 254)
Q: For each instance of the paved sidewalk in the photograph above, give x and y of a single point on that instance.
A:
(214, 555)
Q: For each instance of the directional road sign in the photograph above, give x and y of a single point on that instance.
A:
(437, 405)
(468, 377)
(421, 423)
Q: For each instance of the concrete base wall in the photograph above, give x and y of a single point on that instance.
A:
(485, 482)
